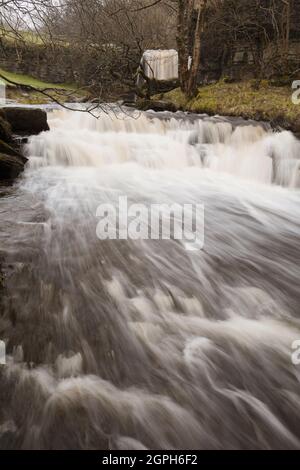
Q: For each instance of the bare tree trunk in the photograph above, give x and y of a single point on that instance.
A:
(288, 26)
(196, 53)
(186, 42)
(183, 36)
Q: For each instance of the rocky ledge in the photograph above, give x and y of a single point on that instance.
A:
(156, 105)
(17, 121)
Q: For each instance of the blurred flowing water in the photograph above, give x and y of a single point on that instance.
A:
(159, 65)
(144, 344)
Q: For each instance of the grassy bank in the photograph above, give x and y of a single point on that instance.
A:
(60, 91)
(35, 82)
(266, 102)
(30, 38)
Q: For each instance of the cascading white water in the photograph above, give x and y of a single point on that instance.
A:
(160, 64)
(249, 152)
(132, 344)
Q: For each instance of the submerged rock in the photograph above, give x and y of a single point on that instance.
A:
(26, 120)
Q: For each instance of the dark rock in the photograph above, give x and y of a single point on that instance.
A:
(295, 127)
(156, 87)
(280, 81)
(158, 106)
(19, 140)
(9, 150)
(11, 162)
(129, 98)
(280, 122)
(128, 104)
(5, 129)
(10, 166)
(26, 120)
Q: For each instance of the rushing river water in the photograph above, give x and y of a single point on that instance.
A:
(124, 344)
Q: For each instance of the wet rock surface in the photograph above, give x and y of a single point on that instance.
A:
(26, 120)
(5, 129)
(21, 121)
(10, 166)
(159, 106)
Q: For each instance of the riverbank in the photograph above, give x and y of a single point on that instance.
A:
(21, 91)
(264, 101)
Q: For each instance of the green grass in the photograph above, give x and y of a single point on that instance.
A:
(29, 37)
(36, 83)
(63, 92)
(240, 99)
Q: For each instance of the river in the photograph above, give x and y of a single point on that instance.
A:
(135, 344)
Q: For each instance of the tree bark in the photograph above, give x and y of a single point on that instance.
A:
(288, 27)
(189, 45)
(183, 42)
(196, 53)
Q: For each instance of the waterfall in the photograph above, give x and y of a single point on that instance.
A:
(249, 152)
(160, 64)
(144, 344)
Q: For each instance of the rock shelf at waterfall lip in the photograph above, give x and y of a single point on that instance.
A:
(185, 115)
(150, 113)
(235, 121)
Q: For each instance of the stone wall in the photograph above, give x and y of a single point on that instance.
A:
(241, 63)
(106, 72)
(46, 63)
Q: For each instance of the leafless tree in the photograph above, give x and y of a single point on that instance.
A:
(263, 27)
(106, 38)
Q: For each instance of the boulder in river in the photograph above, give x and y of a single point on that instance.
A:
(15, 120)
(26, 120)
(158, 106)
